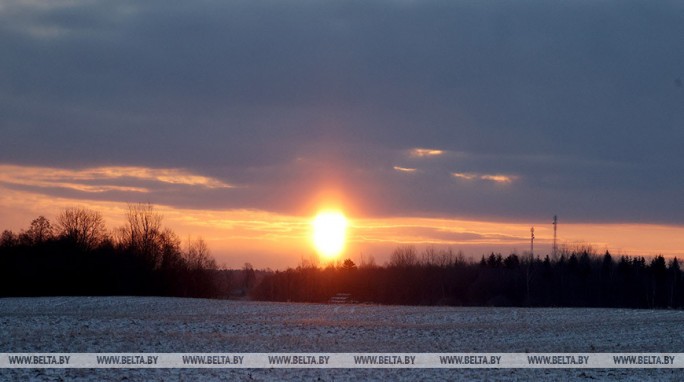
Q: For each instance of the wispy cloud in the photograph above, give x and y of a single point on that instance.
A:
(405, 169)
(103, 179)
(423, 152)
(430, 231)
(36, 19)
(499, 178)
(464, 175)
(496, 178)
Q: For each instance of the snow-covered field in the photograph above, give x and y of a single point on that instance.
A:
(171, 325)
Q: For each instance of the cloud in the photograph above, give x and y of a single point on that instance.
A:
(465, 175)
(404, 169)
(61, 19)
(561, 96)
(419, 152)
(426, 235)
(496, 178)
(505, 179)
(103, 179)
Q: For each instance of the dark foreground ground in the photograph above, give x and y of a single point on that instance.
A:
(171, 325)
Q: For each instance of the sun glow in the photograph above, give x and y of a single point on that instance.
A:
(329, 233)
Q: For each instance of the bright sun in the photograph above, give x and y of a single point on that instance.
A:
(329, 233)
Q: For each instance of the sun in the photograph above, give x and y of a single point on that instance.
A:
(329, 233)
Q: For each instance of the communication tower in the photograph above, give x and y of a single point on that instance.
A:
(555, 228)
(532, 241)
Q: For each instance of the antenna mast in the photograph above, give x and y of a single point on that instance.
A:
(555, 228)
(532, 241)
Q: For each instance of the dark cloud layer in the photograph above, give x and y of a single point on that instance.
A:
(579, 102)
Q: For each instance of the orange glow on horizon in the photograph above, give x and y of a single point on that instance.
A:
(281, 240)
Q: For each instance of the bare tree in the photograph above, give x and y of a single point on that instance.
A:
(142, 232)
(367, 263)
(430, 256)
(8, 239)
(170, 245)
(40, 231)
(198, 256)
(440, 258)
(404, 256)
(84, 227)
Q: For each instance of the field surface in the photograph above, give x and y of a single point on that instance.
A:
(171, 325)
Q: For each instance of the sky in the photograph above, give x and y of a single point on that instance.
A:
(455, 124)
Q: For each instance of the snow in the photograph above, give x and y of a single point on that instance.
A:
(173, 325)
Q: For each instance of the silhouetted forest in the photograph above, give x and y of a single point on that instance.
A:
(572, 278)
(78, 256)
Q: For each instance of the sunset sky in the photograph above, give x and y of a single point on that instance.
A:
(453, 124)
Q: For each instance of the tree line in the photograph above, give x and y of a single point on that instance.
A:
(572, 278)
(77, 255)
